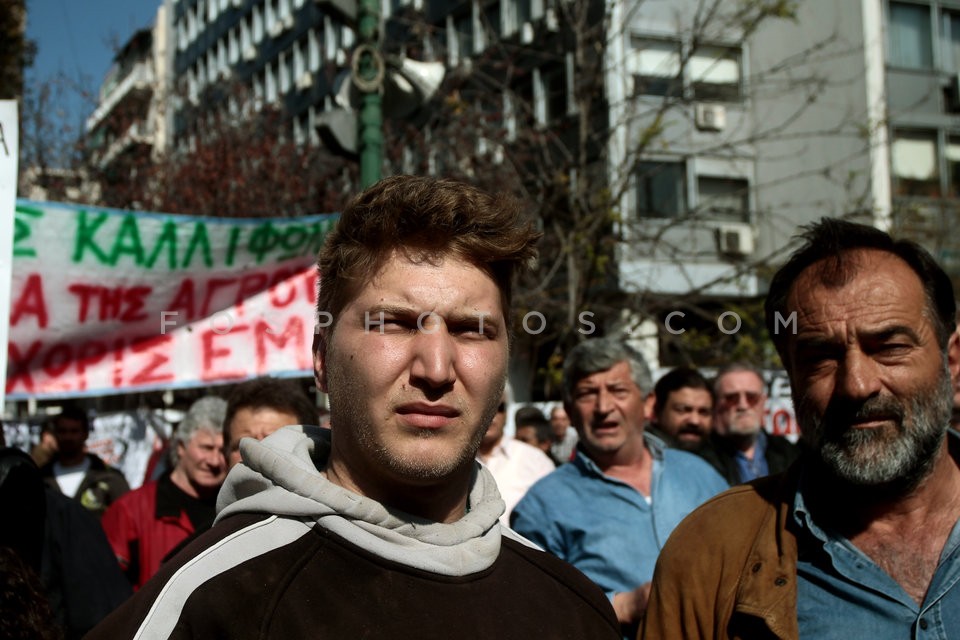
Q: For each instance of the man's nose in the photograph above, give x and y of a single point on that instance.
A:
(434, 356)
(604, 402)
(857, 375)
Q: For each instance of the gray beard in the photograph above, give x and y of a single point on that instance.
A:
(902, 455)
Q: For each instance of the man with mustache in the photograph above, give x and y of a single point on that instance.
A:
(683, 409)
(384, 525)
(859, 538)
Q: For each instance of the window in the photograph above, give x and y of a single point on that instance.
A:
(191, 25)
(182, 40)
(491, 23)
(331, 37)
(910, 37)
(464, 28)
(270, 18)
(283, 73)
(270, 83)
(299, 58)
(257, 25)
(233, 46)
(193, 86)
(522, 102)
(661, 189)
(655, 67)
(246, 37)
(914, 160)
(211, 65)
(299, 129)
(222, 65)
(953, 165)
(950, 37)
(316, 45)
(723, 198)
(524, 11)
(554, 81)
(715, 74)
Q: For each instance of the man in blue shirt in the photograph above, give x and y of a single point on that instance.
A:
(610, 511)
(860, 538)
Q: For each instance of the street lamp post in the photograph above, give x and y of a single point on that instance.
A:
(368, 73)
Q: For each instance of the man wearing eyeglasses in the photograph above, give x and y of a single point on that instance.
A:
(739, 448)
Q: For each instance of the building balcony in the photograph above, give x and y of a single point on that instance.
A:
(931, 222)
(136, 135)
(140, 79)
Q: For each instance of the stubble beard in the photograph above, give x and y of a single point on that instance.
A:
(745, 425)
(365, 432)
(400, 459)
(899, 456)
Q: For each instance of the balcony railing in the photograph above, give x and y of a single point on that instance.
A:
(140, 77)
(138, 133)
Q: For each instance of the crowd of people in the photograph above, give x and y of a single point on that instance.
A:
(632, 508)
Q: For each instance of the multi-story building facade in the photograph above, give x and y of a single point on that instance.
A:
(131, 114)
(285, 52)
(922, 83)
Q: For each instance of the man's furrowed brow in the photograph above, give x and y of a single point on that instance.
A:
(883, 334)
(392, 310)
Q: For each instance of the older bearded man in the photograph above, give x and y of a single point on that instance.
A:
(861, 536)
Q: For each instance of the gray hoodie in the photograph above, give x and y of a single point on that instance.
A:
(281, 475)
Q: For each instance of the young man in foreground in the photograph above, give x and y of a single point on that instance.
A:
(385, 525)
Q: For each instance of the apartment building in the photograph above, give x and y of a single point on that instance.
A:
(131, 113)
(922, 82)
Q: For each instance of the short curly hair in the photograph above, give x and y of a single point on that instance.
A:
(425, 219)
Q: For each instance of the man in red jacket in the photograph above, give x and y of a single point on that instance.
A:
(145, 524)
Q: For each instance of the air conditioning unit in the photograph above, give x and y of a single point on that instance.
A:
(250, 53)
(710, 117)
(735, 240)
(305, 80)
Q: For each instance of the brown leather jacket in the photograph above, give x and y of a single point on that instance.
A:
(729, 570)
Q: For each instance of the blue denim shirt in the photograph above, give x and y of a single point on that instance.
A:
(605, 527)
(751, 469)
(842, 593)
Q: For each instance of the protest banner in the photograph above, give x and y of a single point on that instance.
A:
(9, 151)
(107, 301)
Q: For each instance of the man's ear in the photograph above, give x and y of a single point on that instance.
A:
(649, 406)
(953, 357)
(319, 359)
